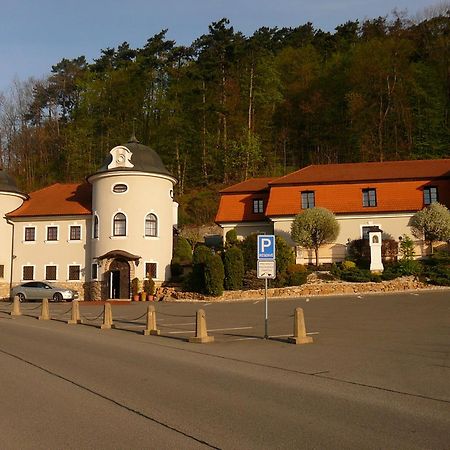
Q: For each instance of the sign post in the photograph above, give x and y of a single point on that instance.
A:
(266, 269)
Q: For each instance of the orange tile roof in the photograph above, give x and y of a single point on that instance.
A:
(401, 196)
(369, 171)
(239, 207)
(250, 185)
(57, 200)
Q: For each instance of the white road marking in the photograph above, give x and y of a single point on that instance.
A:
(206, 304)
(176, 324)
(288, 335)
(214, 329)
(245, 339)
(255, 303)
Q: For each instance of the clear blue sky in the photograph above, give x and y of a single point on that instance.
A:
(35, 34)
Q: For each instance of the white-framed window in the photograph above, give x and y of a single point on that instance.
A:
(258, 205)
(308, 199)
(75, 233)
(365, 229)
(29, 234)
(95, 227)
(51, 272)
(151, 270)
(430, 195)
(94, 271)
(52, 233)
(74, 272)
(369, 197)
(151, 225)
(119, 224)
(28, 272)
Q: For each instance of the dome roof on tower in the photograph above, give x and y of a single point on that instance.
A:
(8, 184)
(140, 158)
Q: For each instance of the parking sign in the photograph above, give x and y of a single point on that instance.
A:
(266, 247)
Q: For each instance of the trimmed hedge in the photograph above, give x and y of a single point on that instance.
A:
(214, 276)
(234, 268)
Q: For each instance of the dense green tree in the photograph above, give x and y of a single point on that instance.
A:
(314, 227)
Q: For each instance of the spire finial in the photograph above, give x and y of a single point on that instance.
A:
(133, 136)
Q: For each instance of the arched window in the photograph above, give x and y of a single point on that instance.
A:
(95, 227)
(120, 225)
(151, 225)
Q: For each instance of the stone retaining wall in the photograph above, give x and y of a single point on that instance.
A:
(306, 290)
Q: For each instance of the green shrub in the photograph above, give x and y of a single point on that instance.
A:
(176, 268)
(294, 268)
(251, 281)
(214, 276)
(182, 251)
(231, 238)
(409, 267)
(135, 286)
(438, 275)
(356, 275)
(348, 265)
(234, 268)
(248, 247)
(149, 286)
(196, 280)
(283, 254)
(297, 278)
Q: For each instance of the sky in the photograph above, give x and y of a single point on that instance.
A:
(34, 35)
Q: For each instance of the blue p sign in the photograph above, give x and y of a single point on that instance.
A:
(266, 246)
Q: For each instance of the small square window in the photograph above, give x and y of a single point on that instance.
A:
(50, 273)
(2, 271)
(308, 199)
(150, 270)
(74, 273)
(258, 206)
(369, 197)
(28, 273)
(430, 195)
(30, 234)
(75, 232)
(52, 233)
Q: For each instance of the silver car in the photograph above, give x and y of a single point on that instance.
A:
(37, 290)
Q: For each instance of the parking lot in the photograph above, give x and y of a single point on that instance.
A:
(376, 375)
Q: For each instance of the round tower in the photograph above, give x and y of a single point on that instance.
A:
(133, 215)
(10, 199)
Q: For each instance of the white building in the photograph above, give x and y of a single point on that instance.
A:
(96, 236)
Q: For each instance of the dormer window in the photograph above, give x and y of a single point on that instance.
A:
(258, 206)
(430, 195)
(308, 199)
(369, 197)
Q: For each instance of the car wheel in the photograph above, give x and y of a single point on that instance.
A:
(58, 297)
(21, 297)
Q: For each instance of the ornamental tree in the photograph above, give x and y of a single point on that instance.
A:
(314, 227)
(432, 224)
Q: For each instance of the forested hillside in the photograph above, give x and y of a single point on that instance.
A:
(229, 106)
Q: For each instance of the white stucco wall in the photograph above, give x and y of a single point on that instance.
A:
(61, 253)
(8, 202)
(146, 193)
(394, 225)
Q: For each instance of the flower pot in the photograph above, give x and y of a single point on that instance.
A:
(143, 296)
(135, 297)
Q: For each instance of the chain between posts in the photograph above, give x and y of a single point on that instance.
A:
(92, 320)
(175, 315)
(62, 314)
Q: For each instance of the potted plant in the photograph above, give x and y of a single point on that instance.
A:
(149, 288)
(135, 289)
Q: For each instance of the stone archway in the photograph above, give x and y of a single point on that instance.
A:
(118, 278)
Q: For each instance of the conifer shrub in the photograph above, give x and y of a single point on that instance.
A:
(231, 238)
(195, 281)
(234, 268)
(297, 274)
(249, 247)
(182, 253)
(214, 276)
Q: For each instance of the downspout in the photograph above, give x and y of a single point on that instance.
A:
(12, 256)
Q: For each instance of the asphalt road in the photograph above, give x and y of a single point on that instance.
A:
(377, 376)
